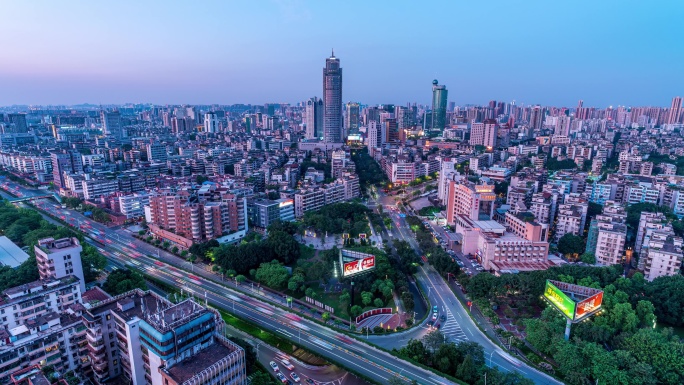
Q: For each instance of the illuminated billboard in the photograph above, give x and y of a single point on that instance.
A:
(589, 305)
(574, 301)
(561, 301)
(355, 262)
(358, 266)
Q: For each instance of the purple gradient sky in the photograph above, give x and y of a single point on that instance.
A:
(606, 52)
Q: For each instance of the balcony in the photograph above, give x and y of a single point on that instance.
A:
(94, 338)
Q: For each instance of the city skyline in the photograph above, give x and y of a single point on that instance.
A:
(227, 56)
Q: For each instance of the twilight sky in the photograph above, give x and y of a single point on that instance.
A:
(607, 52)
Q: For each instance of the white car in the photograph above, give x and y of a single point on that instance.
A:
(287, 364)
(294, 377)
(274, 366)
(281, 377)
(434, 316)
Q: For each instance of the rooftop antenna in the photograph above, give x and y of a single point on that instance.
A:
(333, 53)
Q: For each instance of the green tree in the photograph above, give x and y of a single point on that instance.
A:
(378, 303)
(295, 282)
(407, 300)
(571, 245)
(325, 317)
(467, 370)
(123, 280)
(433, 340)
(284, 246)
(366, 298)
(356, 310)
(262, 378)
(273, 274)
(589, 258)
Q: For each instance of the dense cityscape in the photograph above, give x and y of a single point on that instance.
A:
(336, 241)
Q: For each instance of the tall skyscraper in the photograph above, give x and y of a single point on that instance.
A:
(111, 123)
(439, 106)
(210, 122)
(332, 100)
(675, 110)
(314, 118)
(351, 117)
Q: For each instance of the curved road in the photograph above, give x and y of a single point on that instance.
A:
(121, 247)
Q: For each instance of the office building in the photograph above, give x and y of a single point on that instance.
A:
(351, 117)
(59, 258)
(211, 123)
(111, 123)
(263, 212)
(314, 118)
(374, 134)
(19, 122)
(141, 338)
(439, 107)
(466, 198)
(501, 250)
(332, 100)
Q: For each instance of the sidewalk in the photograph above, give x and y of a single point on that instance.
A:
(475, 313)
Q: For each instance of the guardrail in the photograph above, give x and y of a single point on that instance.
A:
(384, 310)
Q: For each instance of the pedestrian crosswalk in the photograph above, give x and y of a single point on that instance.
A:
(451, 328)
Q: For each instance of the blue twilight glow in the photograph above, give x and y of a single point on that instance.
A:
(550, 52)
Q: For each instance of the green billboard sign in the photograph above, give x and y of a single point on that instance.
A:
(561, 301)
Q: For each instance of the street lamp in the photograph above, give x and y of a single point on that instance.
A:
(490, 358)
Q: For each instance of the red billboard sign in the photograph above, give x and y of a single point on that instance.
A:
(588, 305)
(358, 266)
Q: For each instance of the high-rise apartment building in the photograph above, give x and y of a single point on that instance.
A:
(69, 162)
(662, 256)
(536, 118)
(141, 338)
(439, 106)
(111, 123)
(41, 325)
(675, 110)
(59, 258)
(332, 100)
(157, 153)
(314, 118)
(198, 215)
(351, 117)
(607, 234)
(484, 134)
(211, 122)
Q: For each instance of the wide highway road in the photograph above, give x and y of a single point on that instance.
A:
(369, 361)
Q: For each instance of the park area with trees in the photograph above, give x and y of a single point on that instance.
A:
(624, 344)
